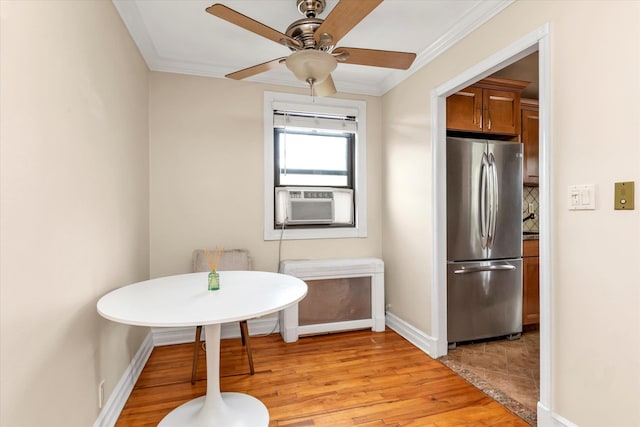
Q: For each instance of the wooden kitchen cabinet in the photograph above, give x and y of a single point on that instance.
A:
(529, 119)
(530, 283)
(491, 106)
(464, 110)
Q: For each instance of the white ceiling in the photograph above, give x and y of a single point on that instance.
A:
(179, 36)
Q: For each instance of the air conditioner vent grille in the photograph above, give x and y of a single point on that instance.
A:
(318, 194)
(313, 206)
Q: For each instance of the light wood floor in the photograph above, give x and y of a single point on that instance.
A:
(360, 378)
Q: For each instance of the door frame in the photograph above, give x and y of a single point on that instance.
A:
(537, 40)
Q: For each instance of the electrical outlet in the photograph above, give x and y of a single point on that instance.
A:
(101, 394)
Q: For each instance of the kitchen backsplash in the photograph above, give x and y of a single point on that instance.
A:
(530, 196)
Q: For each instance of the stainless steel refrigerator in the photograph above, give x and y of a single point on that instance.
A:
(484, 239)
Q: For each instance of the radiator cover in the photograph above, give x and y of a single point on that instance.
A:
(344, 294)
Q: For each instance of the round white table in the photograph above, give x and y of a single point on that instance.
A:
(184, 300)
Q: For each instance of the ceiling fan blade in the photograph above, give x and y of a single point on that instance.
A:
(326, 88)
(377, 58)
(256, 69)
(344, 16)
(230, 15)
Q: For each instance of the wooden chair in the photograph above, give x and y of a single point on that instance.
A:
(235, 259)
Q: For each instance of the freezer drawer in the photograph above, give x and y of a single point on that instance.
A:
(484, 299)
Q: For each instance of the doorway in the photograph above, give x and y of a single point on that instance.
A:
(535, 41)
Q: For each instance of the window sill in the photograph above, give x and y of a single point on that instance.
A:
(317, 233)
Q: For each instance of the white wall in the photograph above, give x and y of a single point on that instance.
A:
(595, 138)
(206, 160)
(74, 205)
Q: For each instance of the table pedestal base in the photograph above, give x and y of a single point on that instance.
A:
(236, 410)
(217, 409)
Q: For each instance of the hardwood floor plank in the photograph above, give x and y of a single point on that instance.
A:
(359, 378)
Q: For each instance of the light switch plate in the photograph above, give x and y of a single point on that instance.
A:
(582, 197)
(624, 192)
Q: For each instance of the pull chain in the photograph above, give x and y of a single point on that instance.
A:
(311, 89)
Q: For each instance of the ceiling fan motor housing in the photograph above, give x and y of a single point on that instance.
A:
(303, 31)
(311, 8)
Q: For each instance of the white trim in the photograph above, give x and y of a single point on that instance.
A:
(546, 224)
(166, 336)
(559, 421)
(429, 345)
(312, 269)
(544, 415)
(132, 18)
(412, 334)
(551, 419)
(169, 336)
(479, 15)
(134, 22)
(536, 40)
(324, 105)
(118, 397)
(507, 56)
(510, 54)
(323, 328)
(439, 212)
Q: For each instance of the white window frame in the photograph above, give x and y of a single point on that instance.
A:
(304, 103)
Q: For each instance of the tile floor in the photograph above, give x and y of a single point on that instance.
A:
(512, 367)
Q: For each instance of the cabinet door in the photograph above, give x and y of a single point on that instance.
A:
(530, 282)
(501, 112)
(530, 291)
(530, 122)
(464, 110)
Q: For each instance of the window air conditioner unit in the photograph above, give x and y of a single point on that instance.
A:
(310, 206)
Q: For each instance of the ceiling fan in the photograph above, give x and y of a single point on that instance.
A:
(313, 42)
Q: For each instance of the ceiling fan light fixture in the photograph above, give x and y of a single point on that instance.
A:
(311, 65)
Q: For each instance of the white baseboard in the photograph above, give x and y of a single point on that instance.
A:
(428, 344)
(558, 421)
(545, 417)
(167, 336)
(415, 336)
(118, 398)
(261, 326)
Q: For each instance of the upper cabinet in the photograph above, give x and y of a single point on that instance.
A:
(529, 137)
(464, 110)
(491, 106)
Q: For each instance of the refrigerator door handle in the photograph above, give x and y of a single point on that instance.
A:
(484, 220)
(484, 268)
(495, 197)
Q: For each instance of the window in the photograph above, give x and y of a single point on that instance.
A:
(312, 157)
(314, 167)
(313, 170)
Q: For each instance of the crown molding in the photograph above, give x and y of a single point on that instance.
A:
(134, 23)
(480, 14)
